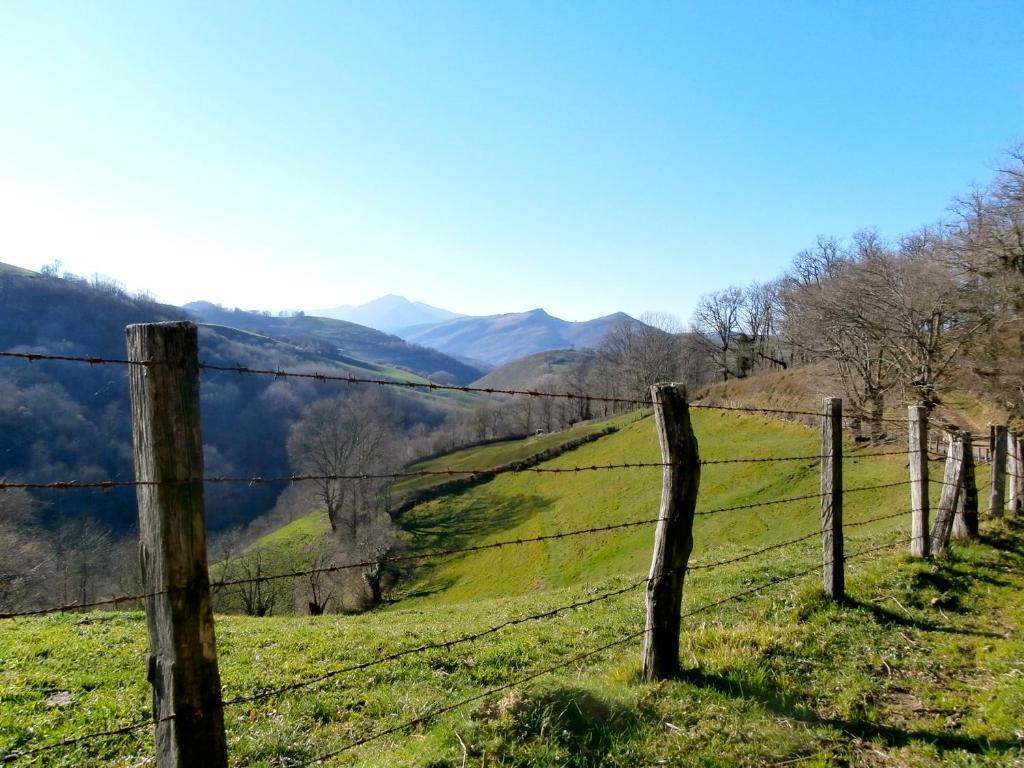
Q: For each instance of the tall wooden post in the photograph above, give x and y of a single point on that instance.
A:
(997, 494)
(918, 457)
(832, 498)
(673, 539)
(1015, 472)
(183, 669)
(952, 481)
(965, 522)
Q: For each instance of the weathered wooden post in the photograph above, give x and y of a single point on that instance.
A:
(1015, 472)
(673, 539)
(183, 671)
(952, 481)
(919, 504)
(832, 499)
(997, 494)
(965, 521)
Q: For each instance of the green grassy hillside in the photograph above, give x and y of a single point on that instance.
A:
(526, 371)
(528, 505)
(289, 547)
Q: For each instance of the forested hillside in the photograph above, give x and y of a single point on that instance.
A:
(64, 421)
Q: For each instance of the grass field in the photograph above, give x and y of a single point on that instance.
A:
(527, 505)
(924, 666)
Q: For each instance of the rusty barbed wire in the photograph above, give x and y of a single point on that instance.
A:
(859, 489)
(756, 504)
(513, 468)
(428, 385)
(75, 607)
(416, 556)
(89, 359)
(75, 740)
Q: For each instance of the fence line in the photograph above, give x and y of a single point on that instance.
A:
(428, 385)
(412, 557)
(685, 517)
(512, 468)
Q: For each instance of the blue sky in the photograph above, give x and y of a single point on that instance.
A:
(486, 157)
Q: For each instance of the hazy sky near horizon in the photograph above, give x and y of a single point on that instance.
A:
(585, 157)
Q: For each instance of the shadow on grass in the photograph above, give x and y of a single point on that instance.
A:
(888, 617)
(796, 706)
(951, 579)
(451, 526)
(1008, 541)
(454, 526)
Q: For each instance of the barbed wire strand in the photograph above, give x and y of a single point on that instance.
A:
(75, 740)
(90, 359)
(512, 467)
(428, 385)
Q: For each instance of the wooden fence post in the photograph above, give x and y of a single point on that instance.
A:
(919, 504)
(965, 521)
(997, 495)
(952, 481)
(673, 540)
(832, 499)
(1014, 470)
(183, 671)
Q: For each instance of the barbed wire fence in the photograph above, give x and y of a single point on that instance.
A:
(164, 373)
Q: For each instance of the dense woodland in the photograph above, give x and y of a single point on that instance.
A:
(894, 322)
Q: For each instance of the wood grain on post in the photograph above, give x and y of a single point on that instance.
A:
(832, 498)
(183, 669)
(965, 522)
(673, 540)
(919, 503)
(997, 494)
(952, 480)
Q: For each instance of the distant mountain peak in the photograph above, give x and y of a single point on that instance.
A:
(390, 313)
(499, 339)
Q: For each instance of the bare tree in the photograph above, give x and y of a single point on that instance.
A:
(758, 325)
(317, 586)
(250, 569)
(346, 436)
(831, 315)
(716, 324)
(643, 353)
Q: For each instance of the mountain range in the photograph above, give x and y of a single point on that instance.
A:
(499, 339)
(488, 341)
